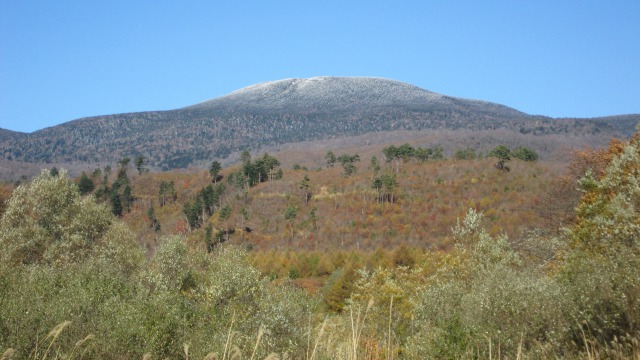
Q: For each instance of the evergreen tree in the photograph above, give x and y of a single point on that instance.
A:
(167, 192)
(141, 164)
(374, 165)
(124, 162)
(437, 153)
(214, 170)
(208, 238)
(348, 163)
(209, 199)
(305, 188)
(127, 198)
(503, 154)
(290, 214)
(107, 172)
(153, 221)
(85, 185)
(465, 154)
(224, 215)
(245, 157)
(116, 203)
(423, 154)
(331, 158)
(524, 154)
(193, 212)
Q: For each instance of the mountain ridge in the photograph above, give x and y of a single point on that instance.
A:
(280, 112)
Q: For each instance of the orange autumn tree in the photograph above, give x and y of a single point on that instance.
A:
(558, 206)
(601, 267)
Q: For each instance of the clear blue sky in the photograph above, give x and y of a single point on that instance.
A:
(62, 60)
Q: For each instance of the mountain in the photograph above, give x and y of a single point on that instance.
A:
(9, 135)
(324, 95)
(286, 111)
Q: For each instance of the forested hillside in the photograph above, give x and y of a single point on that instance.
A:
(404, 253)
(284, 112)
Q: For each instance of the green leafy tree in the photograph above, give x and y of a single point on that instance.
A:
(290, 214)
(392, 153)
(348, 163)
(208, 238)
(331, 158)
(107, 173)
(374, 165)
(423, 154)
(503, 154)
(305, 188)
(267, 166)
(122, 177)
(484, 290)
(465, 154)
(602, 267)
(224, 215)
(124, 162)
(48, 222)
(385, 187)
(524, 154)
(245, 156)
(437, 153)
(313, 217)
(405, 152)
(390, 185)
(153, 220)
(377, 185)
(167, 192)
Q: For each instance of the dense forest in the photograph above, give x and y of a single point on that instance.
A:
(407, 253)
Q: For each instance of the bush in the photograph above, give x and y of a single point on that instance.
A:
(482, 293)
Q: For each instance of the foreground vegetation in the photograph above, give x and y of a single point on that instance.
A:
(75, 282)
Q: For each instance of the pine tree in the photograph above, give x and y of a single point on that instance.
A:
(503, 154)
(141, 164)
(153, 221)
(214, 170)
(305, 188)
(224, 215)
(85, 184)
(116, 204)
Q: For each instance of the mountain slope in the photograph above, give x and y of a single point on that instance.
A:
(279, 112)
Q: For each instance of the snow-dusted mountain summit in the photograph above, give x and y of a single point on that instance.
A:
(319, 92)
(326, 94)
(285, 111)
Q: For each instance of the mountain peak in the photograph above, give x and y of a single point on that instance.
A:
(286, 111)
(326, 92)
